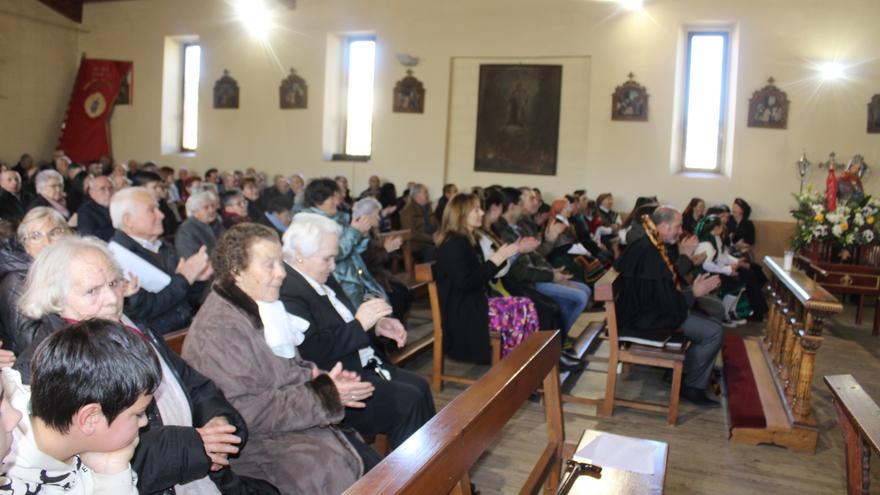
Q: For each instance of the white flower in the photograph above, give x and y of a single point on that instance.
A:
(868, 235)
(818, 208)
(858, 219)
(837, 230)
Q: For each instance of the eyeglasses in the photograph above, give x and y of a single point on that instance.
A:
(53, 235)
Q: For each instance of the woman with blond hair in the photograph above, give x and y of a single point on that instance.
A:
(463, 278)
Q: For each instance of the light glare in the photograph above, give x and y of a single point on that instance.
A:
(831, 71)
(191, 67)
(255, 16)
(632, 4)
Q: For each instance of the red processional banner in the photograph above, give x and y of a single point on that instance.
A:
(85, 134)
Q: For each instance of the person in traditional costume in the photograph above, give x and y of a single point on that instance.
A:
(655, 300)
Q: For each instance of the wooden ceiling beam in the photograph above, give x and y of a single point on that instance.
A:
(72, 9)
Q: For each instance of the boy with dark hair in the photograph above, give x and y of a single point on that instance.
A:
(91, 384)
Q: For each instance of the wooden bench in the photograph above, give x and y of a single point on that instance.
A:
(175, 340)
(859, 419)
(607, 289)
(437, 458)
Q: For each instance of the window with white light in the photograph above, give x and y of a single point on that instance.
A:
(705, 100)
(192, 54)
(360, 66)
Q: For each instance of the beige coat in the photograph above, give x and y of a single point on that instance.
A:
(293, 441)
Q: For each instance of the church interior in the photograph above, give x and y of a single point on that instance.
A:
(757, 113)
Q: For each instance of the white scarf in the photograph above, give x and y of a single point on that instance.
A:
(282, 330)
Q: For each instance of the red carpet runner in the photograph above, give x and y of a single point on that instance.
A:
(743, 402)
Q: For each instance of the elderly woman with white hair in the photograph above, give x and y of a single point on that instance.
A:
(50, 192)
(245, 340)
(40, 228)
(202, 228)
(349, 334)
(192, 429)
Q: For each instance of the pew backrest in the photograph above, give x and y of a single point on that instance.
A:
(438, 456)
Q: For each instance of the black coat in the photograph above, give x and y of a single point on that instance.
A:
(173, 307)
(329, 339)
(462, 282)
(94, 219)
(13, 208)
(649, 304)
(172, 455)
(41, 201)
(16, 330)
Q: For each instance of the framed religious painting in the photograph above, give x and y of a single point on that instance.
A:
(293, 92)
(874, 115)
(126, 89)
(226, 92)
(409, 95)
(630, 101)
(518, 119)
(768, 107)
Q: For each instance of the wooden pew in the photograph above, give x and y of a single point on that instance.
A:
(607, 290)
(859, 419)
(436, 458)
(175, 340)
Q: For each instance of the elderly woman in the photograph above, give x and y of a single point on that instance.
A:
(201, 228)
(376, 250)
(235, 208)
(323, 197)
(191, 429)
(243, 338)
(343, 332)
(50, 192)
(40, 228)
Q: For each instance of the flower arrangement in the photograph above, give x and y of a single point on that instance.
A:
(852, 223)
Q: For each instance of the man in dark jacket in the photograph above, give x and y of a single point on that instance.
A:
(94, 215)
(171, 287)
(13, 201)
(655, 299)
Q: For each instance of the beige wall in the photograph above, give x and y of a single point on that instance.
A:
(778, 38)
(38, 62)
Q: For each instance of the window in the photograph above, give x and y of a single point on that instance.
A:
(705, 100)
(189, 140)
(360, 64)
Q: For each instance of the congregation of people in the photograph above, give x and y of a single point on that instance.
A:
(288, 291)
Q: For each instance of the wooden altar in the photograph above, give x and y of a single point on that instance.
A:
(769, 379)
(855, 271)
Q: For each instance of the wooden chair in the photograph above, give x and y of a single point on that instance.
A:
(175, 340)
(858, 416)
(607, 290)
(437, 457)
(425, 272)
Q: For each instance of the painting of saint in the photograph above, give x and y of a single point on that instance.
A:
(518, 119)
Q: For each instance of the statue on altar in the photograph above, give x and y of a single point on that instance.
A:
(849, 183)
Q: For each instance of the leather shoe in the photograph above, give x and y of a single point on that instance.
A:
(697, 396)
(567, 364)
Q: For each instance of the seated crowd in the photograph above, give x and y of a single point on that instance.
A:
(291, 305)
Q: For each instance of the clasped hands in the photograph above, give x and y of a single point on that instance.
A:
(352, 391)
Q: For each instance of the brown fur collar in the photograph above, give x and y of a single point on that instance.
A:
(235, 296)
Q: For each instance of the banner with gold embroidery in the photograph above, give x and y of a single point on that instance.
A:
(85, 133)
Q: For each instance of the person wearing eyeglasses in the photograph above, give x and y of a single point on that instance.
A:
(235, 208)
(50, 192)
(41, 227)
